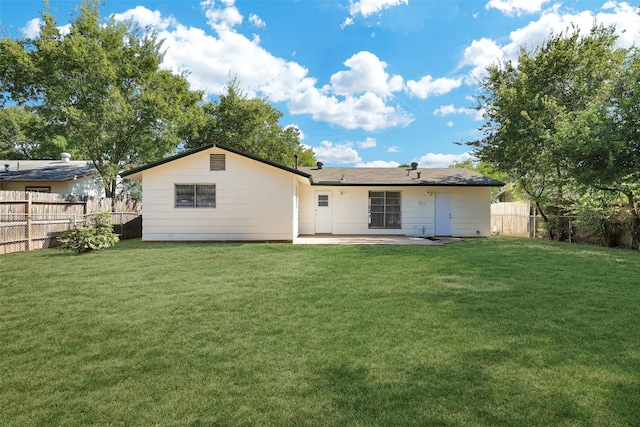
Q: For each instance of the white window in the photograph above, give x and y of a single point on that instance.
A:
(384, 209)
(36, 189)
(195, 196)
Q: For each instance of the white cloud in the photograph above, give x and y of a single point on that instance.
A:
(357, 98)
(427, 86)
(65, 29)
(370, 7)
(447, 110)
(32, 29)
(393, 149)
(301, 135)
(146, 18)
(367, 143)
(366, 8)
(346, 23)
(336, 153)
(479, 56)
(619, 14)
(256, 21)
(516, 7)
(366, 74)
(626, 19)
(484, 52)
(378, 164)
(449, 123)
(368, 112)
(432, 160)
(222, 18)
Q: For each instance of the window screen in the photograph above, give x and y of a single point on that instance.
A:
(195, 196)
(384, 209)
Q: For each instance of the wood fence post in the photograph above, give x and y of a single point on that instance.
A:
(28, 230)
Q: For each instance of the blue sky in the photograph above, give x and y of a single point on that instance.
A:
(368, 83)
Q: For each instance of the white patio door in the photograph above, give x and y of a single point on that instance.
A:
(443, 214)
(323, 212)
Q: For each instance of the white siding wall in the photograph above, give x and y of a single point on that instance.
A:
(86, 186)
(470, 210)
(56, 187)
(254, 201)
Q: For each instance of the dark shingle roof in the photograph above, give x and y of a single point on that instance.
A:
(399, 176)
(45, 170)
(353, 176)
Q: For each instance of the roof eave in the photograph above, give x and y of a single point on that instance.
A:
(379, 184)
(135, 171)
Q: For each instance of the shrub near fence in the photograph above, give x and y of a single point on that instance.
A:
(31, 221)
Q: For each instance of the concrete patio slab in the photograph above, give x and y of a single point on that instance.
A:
(373, 240)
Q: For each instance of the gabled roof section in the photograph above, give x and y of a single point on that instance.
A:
(45, 170)
(137, 170)
(399, 177)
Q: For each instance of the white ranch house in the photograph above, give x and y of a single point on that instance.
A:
(215, 193)
(64, 176)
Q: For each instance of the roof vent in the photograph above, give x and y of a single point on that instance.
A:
(6, 167)
(414, 166)
(66, 157)
(319, 165)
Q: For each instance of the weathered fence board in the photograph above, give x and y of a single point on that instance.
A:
(511, 219)
(31, 221)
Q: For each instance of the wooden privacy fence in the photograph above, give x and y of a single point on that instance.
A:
(31, 221)
(512, 219)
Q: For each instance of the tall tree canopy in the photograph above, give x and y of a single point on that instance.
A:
(23, 136)
(604, 141)
(100, 91)
(561, 120)
(251, 125)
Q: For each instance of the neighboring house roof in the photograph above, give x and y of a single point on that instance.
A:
(399, 176)
(45, 170)
(352, 176)
(134, 173)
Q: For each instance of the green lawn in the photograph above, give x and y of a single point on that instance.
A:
(499, 331)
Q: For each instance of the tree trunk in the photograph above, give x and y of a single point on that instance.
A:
(110, 189)
(563, 224)
(635, 221)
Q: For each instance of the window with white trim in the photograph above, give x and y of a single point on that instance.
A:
(384, 209)
(38, 189)
(195, 195)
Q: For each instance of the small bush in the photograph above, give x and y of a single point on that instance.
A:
(89, 237)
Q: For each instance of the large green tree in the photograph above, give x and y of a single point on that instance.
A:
(531, 103)
(23, 136)
(100, 89)
(604, 142)
(251, 126)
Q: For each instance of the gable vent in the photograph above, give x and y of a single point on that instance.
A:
(217, 162)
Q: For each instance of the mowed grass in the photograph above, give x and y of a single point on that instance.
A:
(499, 331)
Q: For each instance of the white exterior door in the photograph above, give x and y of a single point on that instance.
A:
(323, 212)
(443, 214)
